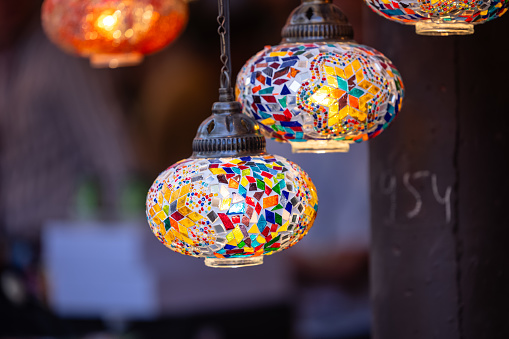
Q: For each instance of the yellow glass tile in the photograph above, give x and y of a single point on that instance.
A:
(278, 54)
(329, 70)
(365, 84)
(244, 182)
(374, 90)
(254, 229)
(268, 122)
(348, 71)
(160, 197)
(361, 115)
(167, 196)
(182, 229)
(235, 161)
(267, 181)
(169, 237)
(157, 208)
(161, 215)
(225, 204)
(184, 190)
(184, 210)
(165, 189)
(217, 171)
(195, 217)
(340, 72)
(284, 228)
(237, 233)
(363, 102)
(334, 109)
(187, 240)
(260, 239)
(186, 222)
(356, 65)
(274, 234)
(181, 202)
(176, 234)
(334, 120)
(343, 113)
(332, 81)
(248, 249)
(166, 192)
(359, 76)
(157, 221)
(230, 237)
(151, 212)
(162, 229)
(175, 195)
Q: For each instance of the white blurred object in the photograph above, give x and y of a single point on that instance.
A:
(97, 270)
(121, 271)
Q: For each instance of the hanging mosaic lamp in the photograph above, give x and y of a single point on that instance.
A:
(440, 17)
(113, 33)
(319, 89)
(231, 203)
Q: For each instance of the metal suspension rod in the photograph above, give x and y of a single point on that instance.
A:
(226, 92)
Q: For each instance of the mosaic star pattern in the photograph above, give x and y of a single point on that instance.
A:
(412, 11)
(320, 91)
(232, 207)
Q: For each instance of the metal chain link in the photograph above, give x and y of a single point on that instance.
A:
(224, 33)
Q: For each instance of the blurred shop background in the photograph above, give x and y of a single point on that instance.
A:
(79, 148)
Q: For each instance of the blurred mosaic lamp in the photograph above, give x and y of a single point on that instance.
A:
(113, 33)
(440, 17)
(231, 203)
(319, 90)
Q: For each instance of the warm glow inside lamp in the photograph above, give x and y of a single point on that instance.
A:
(113, 33)
(231, 202)
(319, 89)
(440, 17)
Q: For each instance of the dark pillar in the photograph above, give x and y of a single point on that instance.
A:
(439, 186)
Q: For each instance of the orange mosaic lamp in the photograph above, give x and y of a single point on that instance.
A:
(113, 33)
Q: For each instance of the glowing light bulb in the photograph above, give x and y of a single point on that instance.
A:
(107, 22)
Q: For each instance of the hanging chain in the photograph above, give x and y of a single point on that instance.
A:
(224, 33)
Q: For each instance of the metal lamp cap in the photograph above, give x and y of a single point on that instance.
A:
(228, 133)
(317, 21)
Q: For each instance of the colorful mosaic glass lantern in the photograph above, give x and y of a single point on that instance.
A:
(440, 17)
(231, 202)
(319, 89)
(113, 33)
